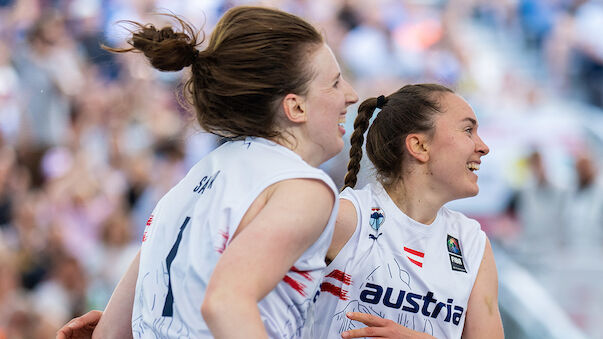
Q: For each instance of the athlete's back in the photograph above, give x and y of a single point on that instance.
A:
(193, 224)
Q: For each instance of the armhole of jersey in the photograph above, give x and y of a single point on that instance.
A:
(353, 237)
(244, 206)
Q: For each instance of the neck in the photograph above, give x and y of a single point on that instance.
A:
(298, 143)
(415, 199)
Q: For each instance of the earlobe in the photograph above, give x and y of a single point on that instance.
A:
(294, 108)
(417, 147)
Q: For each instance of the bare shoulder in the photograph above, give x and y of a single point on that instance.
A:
(292, 195)
(310, 192)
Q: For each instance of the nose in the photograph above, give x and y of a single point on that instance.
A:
(351, 96)
(481, 147)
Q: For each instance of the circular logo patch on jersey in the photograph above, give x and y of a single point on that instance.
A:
(377, 218)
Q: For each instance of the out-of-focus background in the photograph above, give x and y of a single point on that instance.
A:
(89, 141)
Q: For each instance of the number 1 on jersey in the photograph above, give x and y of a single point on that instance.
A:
(168, 306)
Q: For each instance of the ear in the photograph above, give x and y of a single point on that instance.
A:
(417, 146)
(294, 107)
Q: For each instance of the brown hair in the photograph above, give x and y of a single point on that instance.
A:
(409, 110)
(255, 57)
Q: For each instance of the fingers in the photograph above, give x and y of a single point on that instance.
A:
(66, 332)
(367, 319)
(80, 326)
(368, 332)
(91, 318)
(374, 322)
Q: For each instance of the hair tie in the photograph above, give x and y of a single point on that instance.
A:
(196, 53)
(380, 101)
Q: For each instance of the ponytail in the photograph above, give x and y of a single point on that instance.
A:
(365, 113)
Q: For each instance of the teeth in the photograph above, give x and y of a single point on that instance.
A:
(472, 166)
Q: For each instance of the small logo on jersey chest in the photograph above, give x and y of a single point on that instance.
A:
(376, 220)
(455, 254)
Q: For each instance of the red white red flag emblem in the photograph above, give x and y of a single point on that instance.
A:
(414, 256)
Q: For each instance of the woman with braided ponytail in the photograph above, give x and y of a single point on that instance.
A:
(400, 262)
(236, 249)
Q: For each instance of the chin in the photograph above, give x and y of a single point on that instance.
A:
(469, 193)
(473, 192)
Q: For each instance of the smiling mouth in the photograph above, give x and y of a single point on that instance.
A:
(473, 166)
(341, 121)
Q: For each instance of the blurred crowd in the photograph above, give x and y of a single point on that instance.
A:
(90, 140)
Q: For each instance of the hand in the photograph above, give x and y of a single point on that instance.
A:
(380, 328)
(80, 327)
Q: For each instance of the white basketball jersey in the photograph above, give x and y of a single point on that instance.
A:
(417, 275)
(193, 224)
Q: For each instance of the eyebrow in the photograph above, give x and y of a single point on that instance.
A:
(471, 120)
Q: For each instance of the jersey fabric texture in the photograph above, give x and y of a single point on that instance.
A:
(417, 275)
(193, 224)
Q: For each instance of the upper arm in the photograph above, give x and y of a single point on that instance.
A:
(347, 219)
(483, 316)
(293, 217)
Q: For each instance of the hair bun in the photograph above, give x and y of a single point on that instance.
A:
(165, 34)
(166, 50)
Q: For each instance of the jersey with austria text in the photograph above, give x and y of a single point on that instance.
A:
(417, 275)
(192, 225)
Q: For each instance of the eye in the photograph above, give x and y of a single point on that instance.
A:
(469, 130)
(336, 84)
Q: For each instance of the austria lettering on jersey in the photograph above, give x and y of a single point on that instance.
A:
(412, 302)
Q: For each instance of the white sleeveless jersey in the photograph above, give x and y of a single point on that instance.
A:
(192, 225)
(417, 275)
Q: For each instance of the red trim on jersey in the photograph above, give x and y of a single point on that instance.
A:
(411, 251)
(420, 264)
(334, 290)
(305, 274)
(341, 276)
(296, 285)
(149, 222)
(222, 248)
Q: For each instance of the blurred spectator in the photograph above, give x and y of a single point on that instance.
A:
(112, 257)
(539, 206)
(536, 18)
(49, 70)
(12, 297)
(10, 107)
(583, 208)
(589, 49)
(62, 294)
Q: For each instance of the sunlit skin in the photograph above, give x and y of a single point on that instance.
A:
(455, 150)
(326, 104)
(440, 164)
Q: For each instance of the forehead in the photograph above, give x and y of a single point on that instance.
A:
(455, 109)
(323, 64)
